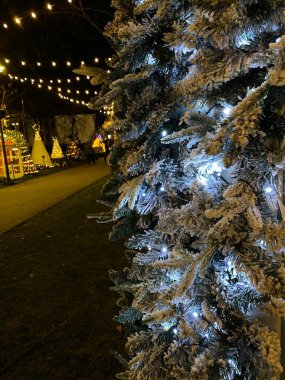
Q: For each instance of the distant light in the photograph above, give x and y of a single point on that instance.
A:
(51, 81)
(49, 6)
(95, 92)
(110, 59)
(68, 63)
(164, 133)
(5, 26)
(70, 1)
(72, 100)
(96, 60)
(88, 77)
(82, 63)
(23, 63)
(17, 20)
(39, 64)
(50, 88)
(53, 63)
(77, 78)
(7, 60)
(34, 15)
(164, 250)
(40, 80)
(87, 92)
(39, 86)
(59, 89)
(175, 331)
(108, 71)
(83, 102)
(278, 40)
(195, 314)
(77, 101)
(77, 92)
(109, 136)
(59, 81)
(162, 188)
(68, 90)
(68, 80)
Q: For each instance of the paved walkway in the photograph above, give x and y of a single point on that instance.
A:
(20, 202)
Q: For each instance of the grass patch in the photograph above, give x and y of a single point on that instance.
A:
(56, 319)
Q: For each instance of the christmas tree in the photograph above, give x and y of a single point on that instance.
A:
(21, 142)
(56, 150)
(72, 151)
(199, 93)
(40, 155)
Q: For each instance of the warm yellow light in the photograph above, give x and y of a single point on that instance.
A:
(16, 78)
(5, 26)
(68, 63)
(108, 71)
(7, 60)
(83, 102)
(51, 81)
(68, 81)
(49, 88)
(22, 80)
(69, 91)
(49, 6)
(77, 78)
(23, 63)
(59, 89)
(95, 92)
(53, 63)
(88, 77)
(87, 92)
(77, 92)
(41, 80)
(110, 59)
(39, 86)
(82, 63)
(96, 60)
(34, 15)
(59, 81)
(39, 63)
(72, 100)
(2, 68)
(17, 20)
(77, 101)
(70, 1)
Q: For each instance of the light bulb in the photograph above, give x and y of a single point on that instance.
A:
(53, 63)
(164, 133)
(96, 60)
(49, 6)
(227, 111)
(5, 26)
(34, 15)
(82, 63)
(68, 63)
(78, 79)
(2, 69)
(39, 64)
(87, 92)
(7, 60)
(23, 63)
(17, 20)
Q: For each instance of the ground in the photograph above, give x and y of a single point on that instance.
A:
(56, 319)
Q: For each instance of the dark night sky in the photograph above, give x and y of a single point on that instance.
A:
(53, 36)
